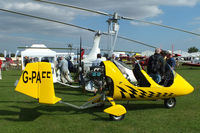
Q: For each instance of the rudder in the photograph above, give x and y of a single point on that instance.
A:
(37, 81)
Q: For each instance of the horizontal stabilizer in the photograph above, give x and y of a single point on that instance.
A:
(37, 81)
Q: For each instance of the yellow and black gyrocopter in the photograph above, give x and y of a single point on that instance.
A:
(36, 80)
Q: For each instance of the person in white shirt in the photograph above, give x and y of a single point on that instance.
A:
(98, 61)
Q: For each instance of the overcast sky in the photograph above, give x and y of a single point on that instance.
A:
(16, 30)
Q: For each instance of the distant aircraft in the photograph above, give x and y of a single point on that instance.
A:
(195, 63)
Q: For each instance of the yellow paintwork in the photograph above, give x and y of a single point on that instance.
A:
(115, 109)
(124, 90)
(37, 81)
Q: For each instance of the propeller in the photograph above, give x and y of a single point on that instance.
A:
(118, 17)
(72, 25)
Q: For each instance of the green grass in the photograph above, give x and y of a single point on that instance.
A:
(22, 114)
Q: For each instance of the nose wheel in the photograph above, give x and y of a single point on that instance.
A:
(116, 118)
(170, 103)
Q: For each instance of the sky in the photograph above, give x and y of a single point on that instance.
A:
(16, 30)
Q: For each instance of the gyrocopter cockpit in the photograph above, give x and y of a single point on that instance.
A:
(137, 77)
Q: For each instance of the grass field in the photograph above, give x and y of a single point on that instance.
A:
(22, 114)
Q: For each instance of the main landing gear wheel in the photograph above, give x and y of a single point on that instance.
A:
(116, 118)
(170, 103)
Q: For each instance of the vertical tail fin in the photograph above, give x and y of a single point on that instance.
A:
(37, 81)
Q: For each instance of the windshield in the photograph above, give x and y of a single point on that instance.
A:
(118, 63)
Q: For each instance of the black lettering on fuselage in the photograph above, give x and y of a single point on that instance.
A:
(33, 75)
(38, 77)
(43, 76)
(25, 79)
(48, 76)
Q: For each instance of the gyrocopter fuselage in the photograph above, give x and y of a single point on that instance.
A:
(37, 81)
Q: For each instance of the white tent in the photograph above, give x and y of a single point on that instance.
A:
(38, 52)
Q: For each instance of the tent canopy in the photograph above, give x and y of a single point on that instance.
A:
(37, 52)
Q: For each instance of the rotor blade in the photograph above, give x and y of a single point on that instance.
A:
(136, 41)
(75, 7)
(121, 17)
(131, 40)
(55, 21)
(51, 20)
(47, 48)
(121, 51)
(165, 26)
(126, 51)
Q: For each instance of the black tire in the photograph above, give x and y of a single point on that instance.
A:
(170, 103)
(116, 118)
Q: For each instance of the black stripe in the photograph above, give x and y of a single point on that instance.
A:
(142, 91)
(158, 94)
(123, 96)
(151, 94)
(141, 96)
(132, 89)
(132, 96)
(121, 89)
(165, 94)
(171, 94)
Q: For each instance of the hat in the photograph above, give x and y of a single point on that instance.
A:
(169, 52)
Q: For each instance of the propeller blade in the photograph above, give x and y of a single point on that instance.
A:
(75, 7)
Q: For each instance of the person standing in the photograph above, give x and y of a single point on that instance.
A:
(156, 66)
(65, 74)
(0, 68)
(98, 61)
(26, 60)
(170, 60)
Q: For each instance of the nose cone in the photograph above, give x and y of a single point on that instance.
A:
(183, 87)
(188, 89)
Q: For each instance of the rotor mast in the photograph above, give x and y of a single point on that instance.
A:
(113, 29)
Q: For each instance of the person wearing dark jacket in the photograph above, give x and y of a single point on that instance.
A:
(156, 66)
(170, 60)
(26, 61)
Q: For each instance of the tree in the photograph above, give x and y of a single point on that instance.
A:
(192, 49)
(12, 55)
(1, 55)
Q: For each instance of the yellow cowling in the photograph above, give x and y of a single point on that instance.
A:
(36, 81)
